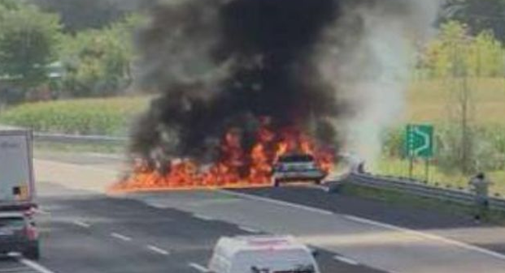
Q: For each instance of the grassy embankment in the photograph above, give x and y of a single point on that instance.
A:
(433, 102)
(86, 116)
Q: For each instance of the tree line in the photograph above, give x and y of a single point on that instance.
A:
(48, 52)
(41, 59)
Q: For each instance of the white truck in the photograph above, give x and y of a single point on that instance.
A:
(17, 187)
(18, 232)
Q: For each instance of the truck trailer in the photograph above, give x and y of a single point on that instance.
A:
(18, 232)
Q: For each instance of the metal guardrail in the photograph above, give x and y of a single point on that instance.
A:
(77, 139)
(459, 196)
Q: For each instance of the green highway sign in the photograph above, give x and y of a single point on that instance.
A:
(419, 140)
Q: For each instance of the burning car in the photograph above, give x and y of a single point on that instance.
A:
(297, 167)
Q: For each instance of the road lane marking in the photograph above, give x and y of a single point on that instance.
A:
(157, 250)
(14, 269)
(203, 217)
(198, 267)
(345, 260)
(81, 224)
(121, 237)
(278, 202)
(43, 212)
(106, 156)
(248, 229)
(374, 223)
(35, 266)
(427, 236)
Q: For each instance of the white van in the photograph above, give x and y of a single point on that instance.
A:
(262, 254)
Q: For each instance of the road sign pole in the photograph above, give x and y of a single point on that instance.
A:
(427, 171)
(411, 166)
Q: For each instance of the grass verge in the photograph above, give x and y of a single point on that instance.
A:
(404, 199)
(400, 168)
(111, 116)
(77, 148)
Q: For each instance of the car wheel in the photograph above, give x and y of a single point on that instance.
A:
(318, 181)
(32, 253)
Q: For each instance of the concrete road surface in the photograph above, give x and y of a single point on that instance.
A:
(353, 232)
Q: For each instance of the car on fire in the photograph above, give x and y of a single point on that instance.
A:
(297, 167)
(19, 234)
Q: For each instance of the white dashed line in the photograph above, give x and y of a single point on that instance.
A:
(35, 266)
(81, 224)
(157, 250)
(120, 237)
(198, 267)
(248, 229)
(203, 217)
(345, 260)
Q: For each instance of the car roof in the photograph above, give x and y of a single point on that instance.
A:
(11, 214)
(229, 246)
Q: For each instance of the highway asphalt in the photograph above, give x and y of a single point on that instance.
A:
(85, 233)
(89, 232)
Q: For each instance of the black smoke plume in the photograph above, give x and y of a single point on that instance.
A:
(221, 64)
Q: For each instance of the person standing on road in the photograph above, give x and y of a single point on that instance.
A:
(480, 186)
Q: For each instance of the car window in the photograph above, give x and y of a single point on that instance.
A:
(296, 158)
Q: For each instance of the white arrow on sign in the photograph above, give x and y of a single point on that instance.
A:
(427, 140)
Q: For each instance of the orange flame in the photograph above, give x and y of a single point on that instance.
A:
(235, 168)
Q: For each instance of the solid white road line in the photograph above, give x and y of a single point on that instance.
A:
(106, 156)
(35, 266)
(81, 224)
(203, 217)
(121, 237)
(277, 202)
(374, 223)
(198, 267)
(345, 260)
(427, 236)
(157, 250)
(248, 229)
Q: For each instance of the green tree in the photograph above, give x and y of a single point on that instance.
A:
(29, 41)
(98, 62)
(441, 57)
(456, 52)
(485, 56)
